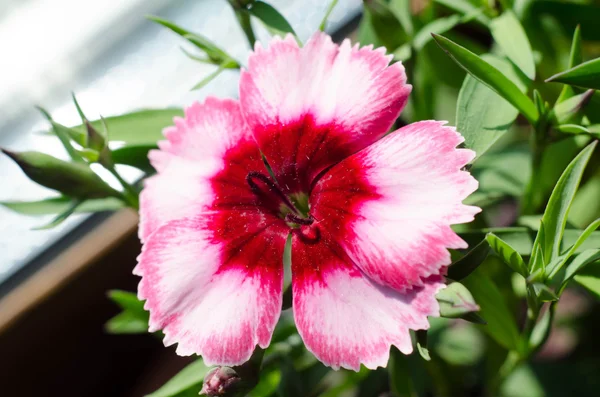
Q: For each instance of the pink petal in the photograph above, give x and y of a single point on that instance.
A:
(213, 283)
(390, 206)
(202, 165)
(311, 107)
(346, 319)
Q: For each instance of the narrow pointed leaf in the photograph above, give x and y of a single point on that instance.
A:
(126, 323)
(422, 344)
(462, 267)
(580, 261)
(323, 23)
(555, 215)
(127, 301)
(216, 54)
(209, 78)
(585, 75)
(60, 204)
(570, 110)
(575, 58)
(60, 218)
(573, 129)
(490, 76)
(188, 380)
(464, 7)
(555, 266)
(544, 293)
(402, 10)
(65, 134)
(501, 324)
(589, 277)
(273, 20)
(508, 254)
(512, 39)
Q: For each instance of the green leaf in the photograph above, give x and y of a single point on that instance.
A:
(455, 301)
(401, 382)
(210, 77)
(134, 156)
(544, 293)
(501, 324)
(402, 10)
(589, 277)
(541, 329)
(508, 254)
(214, 53)
(323, 23)
(573, 129)
(422, 344)
(490, 76)
(464, 7)
(575, 58)
(555, 215)
(64, 135)
(580, 261)
(141, 127)
(71, 179)
(555, 266)
(462, 267)
(191, 377)
(126, 323)
(483, 116)
(380, 27)
(463, 345)
(60, 218)
(512, 39)
(273, 20)
(127, 301)
(568, 110)
(585, 75)
(57, 205)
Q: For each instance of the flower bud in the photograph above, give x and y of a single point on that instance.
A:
(71, 179)
(221, 381)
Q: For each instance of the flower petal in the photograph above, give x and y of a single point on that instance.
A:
(346, 319)
(390, 206)
(202, 165)
(214, 283)
(313, 106)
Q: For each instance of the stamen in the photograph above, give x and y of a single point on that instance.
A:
(272, 187)
(300, 221)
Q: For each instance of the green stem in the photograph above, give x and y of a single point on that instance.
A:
(129, 192)
(539, 142)
(243, 17)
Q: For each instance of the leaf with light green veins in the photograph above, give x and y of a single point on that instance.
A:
(483, 116)
(275, 23)
(456, 301)
(512, 39)
(490, 76)
(508, 254)
(555, 215)
(585, 75)
(188, 379)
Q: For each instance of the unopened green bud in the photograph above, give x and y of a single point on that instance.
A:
(71, 179)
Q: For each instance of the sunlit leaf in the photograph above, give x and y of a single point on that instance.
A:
(508, 254)
(557, 264)
(580, 261)
(455, 301)
(483, 116)
(575, 58)
(555, 215)
(189, 378)
(490, 76)
(512, 39)
(585, 75)
(589, 277)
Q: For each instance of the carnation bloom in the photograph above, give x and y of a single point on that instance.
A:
(369, 215)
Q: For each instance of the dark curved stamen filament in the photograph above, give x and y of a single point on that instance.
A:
(300, 221)
(272, 187)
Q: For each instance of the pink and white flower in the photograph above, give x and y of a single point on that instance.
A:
(369, 214)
